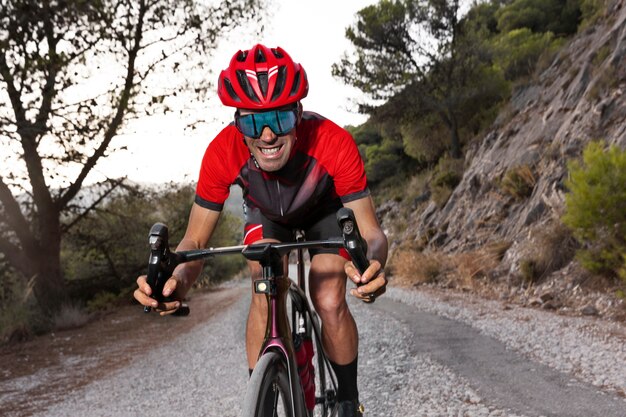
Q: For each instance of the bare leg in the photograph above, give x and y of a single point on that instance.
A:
(257, 319)
(327, 284)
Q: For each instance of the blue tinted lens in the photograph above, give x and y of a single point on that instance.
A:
(280, 122)
(246, 125)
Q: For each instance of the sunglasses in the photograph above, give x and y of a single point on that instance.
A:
(280, 122)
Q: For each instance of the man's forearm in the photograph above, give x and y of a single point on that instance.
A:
(187, 273)
(377, 247)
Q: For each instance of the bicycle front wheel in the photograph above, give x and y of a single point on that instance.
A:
(268, 393)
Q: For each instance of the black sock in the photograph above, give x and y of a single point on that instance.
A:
(346, 380)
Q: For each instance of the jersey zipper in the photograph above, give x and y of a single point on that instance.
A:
(280, 200)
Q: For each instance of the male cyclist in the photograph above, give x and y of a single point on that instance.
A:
(296, 170)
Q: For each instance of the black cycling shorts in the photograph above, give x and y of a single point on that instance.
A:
(318, 227)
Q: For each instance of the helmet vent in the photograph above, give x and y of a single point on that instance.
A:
(259, 56)
(231, 90)
(245, 85)
(296, 84)
(280, 82)
(241, 57)
(277, 54)
(262, 77)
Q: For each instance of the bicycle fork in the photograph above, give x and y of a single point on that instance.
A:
(278, 332)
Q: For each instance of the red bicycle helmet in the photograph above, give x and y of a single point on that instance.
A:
(262, 78)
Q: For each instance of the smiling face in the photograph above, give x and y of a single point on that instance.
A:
(270, 150)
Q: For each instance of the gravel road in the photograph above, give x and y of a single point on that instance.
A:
(421, 354)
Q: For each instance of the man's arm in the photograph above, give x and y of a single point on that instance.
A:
(202, 223)
(373, 280)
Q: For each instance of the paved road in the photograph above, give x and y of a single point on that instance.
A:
(411, 363)
(502, 377)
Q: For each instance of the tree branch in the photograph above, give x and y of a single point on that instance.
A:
(115, 184)
(52, 63)
(14, 95)
(111, 131)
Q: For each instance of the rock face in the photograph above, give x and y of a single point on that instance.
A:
(579, 97)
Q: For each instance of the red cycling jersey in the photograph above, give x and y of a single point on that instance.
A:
(323, 171)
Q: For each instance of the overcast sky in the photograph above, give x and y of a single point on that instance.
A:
(312, 32)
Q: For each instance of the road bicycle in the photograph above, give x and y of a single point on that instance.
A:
(281, 383)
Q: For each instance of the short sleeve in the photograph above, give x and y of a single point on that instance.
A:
(349, 176)
(221, 164)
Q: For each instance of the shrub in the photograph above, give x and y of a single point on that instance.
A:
(592, 11)
(552, 246)
(425, 139)
(518, 51)
(557, 16)
(446, 176)
(102, 301)
(518, 182)
(105, 252)
(20, 317)
(596, 208)
(606, 81)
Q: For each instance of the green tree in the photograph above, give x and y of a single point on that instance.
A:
(560, 17)
(596, 208)
(421, 51)
(73, 72)
(518, 51)
(383, 161)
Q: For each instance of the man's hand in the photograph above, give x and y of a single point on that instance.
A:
(371, 284)
(143, 293)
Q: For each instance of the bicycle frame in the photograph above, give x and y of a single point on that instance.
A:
(274, 284)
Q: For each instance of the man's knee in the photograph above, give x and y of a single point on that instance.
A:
(329, 300)
(330, 305)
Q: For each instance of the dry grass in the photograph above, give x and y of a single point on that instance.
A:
(411, 267)
(70, 316)
(466, 271)
(518, 182)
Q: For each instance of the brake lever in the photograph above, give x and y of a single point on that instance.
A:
(353, 242)
(161, 264)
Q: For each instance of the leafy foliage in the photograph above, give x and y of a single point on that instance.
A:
(596, 208)
(428, 63)
(108, 249)
(384, 156)
(591, 11)
(519, 50)
(73, 73)
(438, 79)
(539, 16)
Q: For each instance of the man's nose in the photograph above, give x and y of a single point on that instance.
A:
(267, 135)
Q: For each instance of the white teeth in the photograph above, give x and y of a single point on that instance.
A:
(270, 151)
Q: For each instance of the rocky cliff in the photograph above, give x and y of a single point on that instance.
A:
(513, 183)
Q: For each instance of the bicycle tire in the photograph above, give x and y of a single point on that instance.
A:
(325, 378)
(268, 393)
